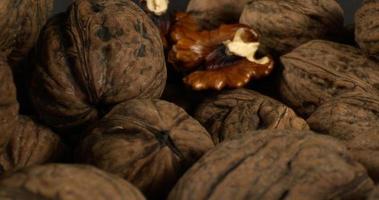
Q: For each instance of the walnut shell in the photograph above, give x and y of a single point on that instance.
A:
(284, 25)
(213, 13)
(234, 113)
(98, 54)
(62, 181)
(22, 142)
(367, 27)
(354, 119)
(319, 70)
(275, 164)
(20, 24)
(374, 194)
(148, 142)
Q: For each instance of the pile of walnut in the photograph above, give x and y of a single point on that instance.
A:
(232, 99)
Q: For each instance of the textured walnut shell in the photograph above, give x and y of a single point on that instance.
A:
(275, 164)
(99, 53)
(148, 142)
(22, 142)
(60, 181)
(367, 27)
(20, 24)
(319, 70)
(284, 25)
(234, 113)
(213, 13)
(354, 119)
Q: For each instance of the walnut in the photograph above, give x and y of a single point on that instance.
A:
(320, 70)
(374, 194)
(148, 142)
(367, 27)
(221, 58)
(98, 54)
(354, 119)
(275, 164)
(233, 113)
(62, 181)
(213, 13)
(284, 25)
(20, 24)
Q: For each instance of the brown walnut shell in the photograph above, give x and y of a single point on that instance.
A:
(319, 70)
(22, 142)
(20, 24)
(234, 113)
(367, 27)
(213, 13)
(148, 142)
(354, 119)
(374, 194)
(284, 25)
(98, 54)
(275, 164)
(64, 182)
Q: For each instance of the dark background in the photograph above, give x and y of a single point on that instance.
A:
(350, 6)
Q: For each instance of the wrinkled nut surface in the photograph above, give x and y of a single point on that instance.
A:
(284, 25)
(234, 113)
(367, 27)
(22, 142)
(319, 70)
(354, 119)
(275, 164)
(219, 58)
(20, 24)
(65, 182)
(99, 53)
(148, 142)
(213, 13)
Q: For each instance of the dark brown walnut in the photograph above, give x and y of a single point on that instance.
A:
(213, 13)
(20, 24)
(284, 25)
(22, 142)
(64, 182)
(148, 142)
(319, 70)
(275, 164)
(374, 194)
(354, 119)
(367, 27)
(98, 54)
(234, 113)
(224, 57)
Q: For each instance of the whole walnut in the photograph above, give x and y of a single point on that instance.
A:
(274, 165)
(234, 113)
(213, 13)
(65, 182)
(22, 142)
(367, 27)
(148, 142)
(354, 119)
(319, 70)
(97, 54)
(283, 25)
(20, 24)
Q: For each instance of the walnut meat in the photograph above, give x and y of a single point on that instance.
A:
(213, 13)
(284, 25)
(319, 70)
(275, 164)
(98, 54)
(148, 142)
(367, 27)
(60, 181)
(20, 24)
(234, 113)
(354, 119)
